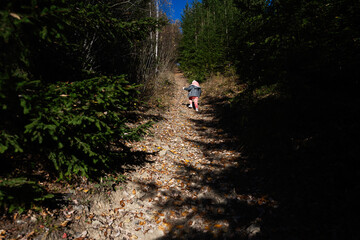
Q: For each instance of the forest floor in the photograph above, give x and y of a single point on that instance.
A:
(183, 191)
(182, 187)
(193, 176)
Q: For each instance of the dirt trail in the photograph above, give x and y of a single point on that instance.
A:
(184, 192)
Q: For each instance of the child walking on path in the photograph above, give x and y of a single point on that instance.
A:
(194, 93)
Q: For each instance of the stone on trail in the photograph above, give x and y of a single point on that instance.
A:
(163, 153)
(253, 229)
(96, 224)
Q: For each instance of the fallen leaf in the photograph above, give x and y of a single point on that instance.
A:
(134, 192)
(63, 224)
(184, 214)
(64, 235)
(122, 203)
(168, 225)
(219, 210)
(14, 15)
(218, 225)
(85, 190)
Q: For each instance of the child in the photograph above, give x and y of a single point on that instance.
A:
(194, 93)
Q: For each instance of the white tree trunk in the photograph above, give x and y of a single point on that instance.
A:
(157, 35)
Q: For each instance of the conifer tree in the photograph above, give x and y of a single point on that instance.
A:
(205, 42)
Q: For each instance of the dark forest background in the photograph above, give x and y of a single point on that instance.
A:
(297, 116)
(72, 73)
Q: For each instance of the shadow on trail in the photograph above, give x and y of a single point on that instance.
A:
(221, 201)
(303, 154)
(220, 219)
(296, 177)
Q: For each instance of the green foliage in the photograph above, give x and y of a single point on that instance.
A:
(298, 119)
(109, 182)
(64, 85)
(75, 123)
(205, 42)
(290, 43)
(265, 91)
(65, 90)
(18, 194)
(296, 43)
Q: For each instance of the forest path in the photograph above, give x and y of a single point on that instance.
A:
(185, 191)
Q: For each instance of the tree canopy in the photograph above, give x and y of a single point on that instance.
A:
(69, 75)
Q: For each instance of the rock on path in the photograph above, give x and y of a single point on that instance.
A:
(184, 191)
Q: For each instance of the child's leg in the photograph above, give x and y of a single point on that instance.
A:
(196, 102)
(190, 102)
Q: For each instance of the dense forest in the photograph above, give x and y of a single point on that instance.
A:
(71, 71)
(298, 114)
(73, 74)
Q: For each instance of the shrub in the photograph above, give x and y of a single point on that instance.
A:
(20, 193)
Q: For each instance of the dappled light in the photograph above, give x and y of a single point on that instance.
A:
(119, 121)
(194, 186)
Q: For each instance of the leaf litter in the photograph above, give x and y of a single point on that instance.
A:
(181, 191)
